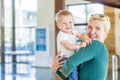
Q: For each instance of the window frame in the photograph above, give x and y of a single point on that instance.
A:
(79, 25)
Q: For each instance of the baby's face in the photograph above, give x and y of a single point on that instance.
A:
(66, 23)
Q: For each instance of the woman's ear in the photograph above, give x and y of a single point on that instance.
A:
(106, 32)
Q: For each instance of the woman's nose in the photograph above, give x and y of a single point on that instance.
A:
(93, 31)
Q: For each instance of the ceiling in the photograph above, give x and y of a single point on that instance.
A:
(112, 3)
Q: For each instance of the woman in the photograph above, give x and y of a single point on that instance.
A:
(92, 61)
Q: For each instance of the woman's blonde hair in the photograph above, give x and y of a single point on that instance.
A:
(103, 18)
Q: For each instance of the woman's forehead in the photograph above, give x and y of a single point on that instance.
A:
(96, 23)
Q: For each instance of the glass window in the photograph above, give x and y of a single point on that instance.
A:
(26, 16)
(24, 20)
(79, 13)
(94, 9)
(25, 23)
(81, 28)
(8, 24)
(82, 12)
(8, 13)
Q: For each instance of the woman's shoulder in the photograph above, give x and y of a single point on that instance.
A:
(98, 44)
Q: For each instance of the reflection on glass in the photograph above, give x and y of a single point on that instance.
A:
(0, 44)
(8, 13)
(82, 12)
(79, 13)
(24, 22)
(8, 38)
(81, 29)
(94, 9)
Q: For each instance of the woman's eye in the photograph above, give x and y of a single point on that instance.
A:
(70, 22)
(98, 28)
(63, 23)
(89, 27)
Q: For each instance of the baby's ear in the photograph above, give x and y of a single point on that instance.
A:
(57, 24)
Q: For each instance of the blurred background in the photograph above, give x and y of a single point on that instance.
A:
(28, 35)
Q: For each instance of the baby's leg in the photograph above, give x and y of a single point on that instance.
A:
(74, 75)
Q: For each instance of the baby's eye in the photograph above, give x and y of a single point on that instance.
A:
(64, 23)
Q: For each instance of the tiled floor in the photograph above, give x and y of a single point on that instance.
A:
(27, 72)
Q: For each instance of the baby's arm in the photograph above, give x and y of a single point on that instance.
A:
(82, 44)
(69, 45)
(84, 37)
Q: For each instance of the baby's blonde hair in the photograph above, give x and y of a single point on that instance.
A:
(62, 13)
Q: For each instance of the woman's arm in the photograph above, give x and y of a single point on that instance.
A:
(83, 55)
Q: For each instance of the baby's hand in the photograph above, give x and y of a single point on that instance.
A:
(86, 39)
(83, 44)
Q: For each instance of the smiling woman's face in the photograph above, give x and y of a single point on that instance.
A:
(96, 30)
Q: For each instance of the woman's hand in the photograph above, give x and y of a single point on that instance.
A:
(57, 63)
